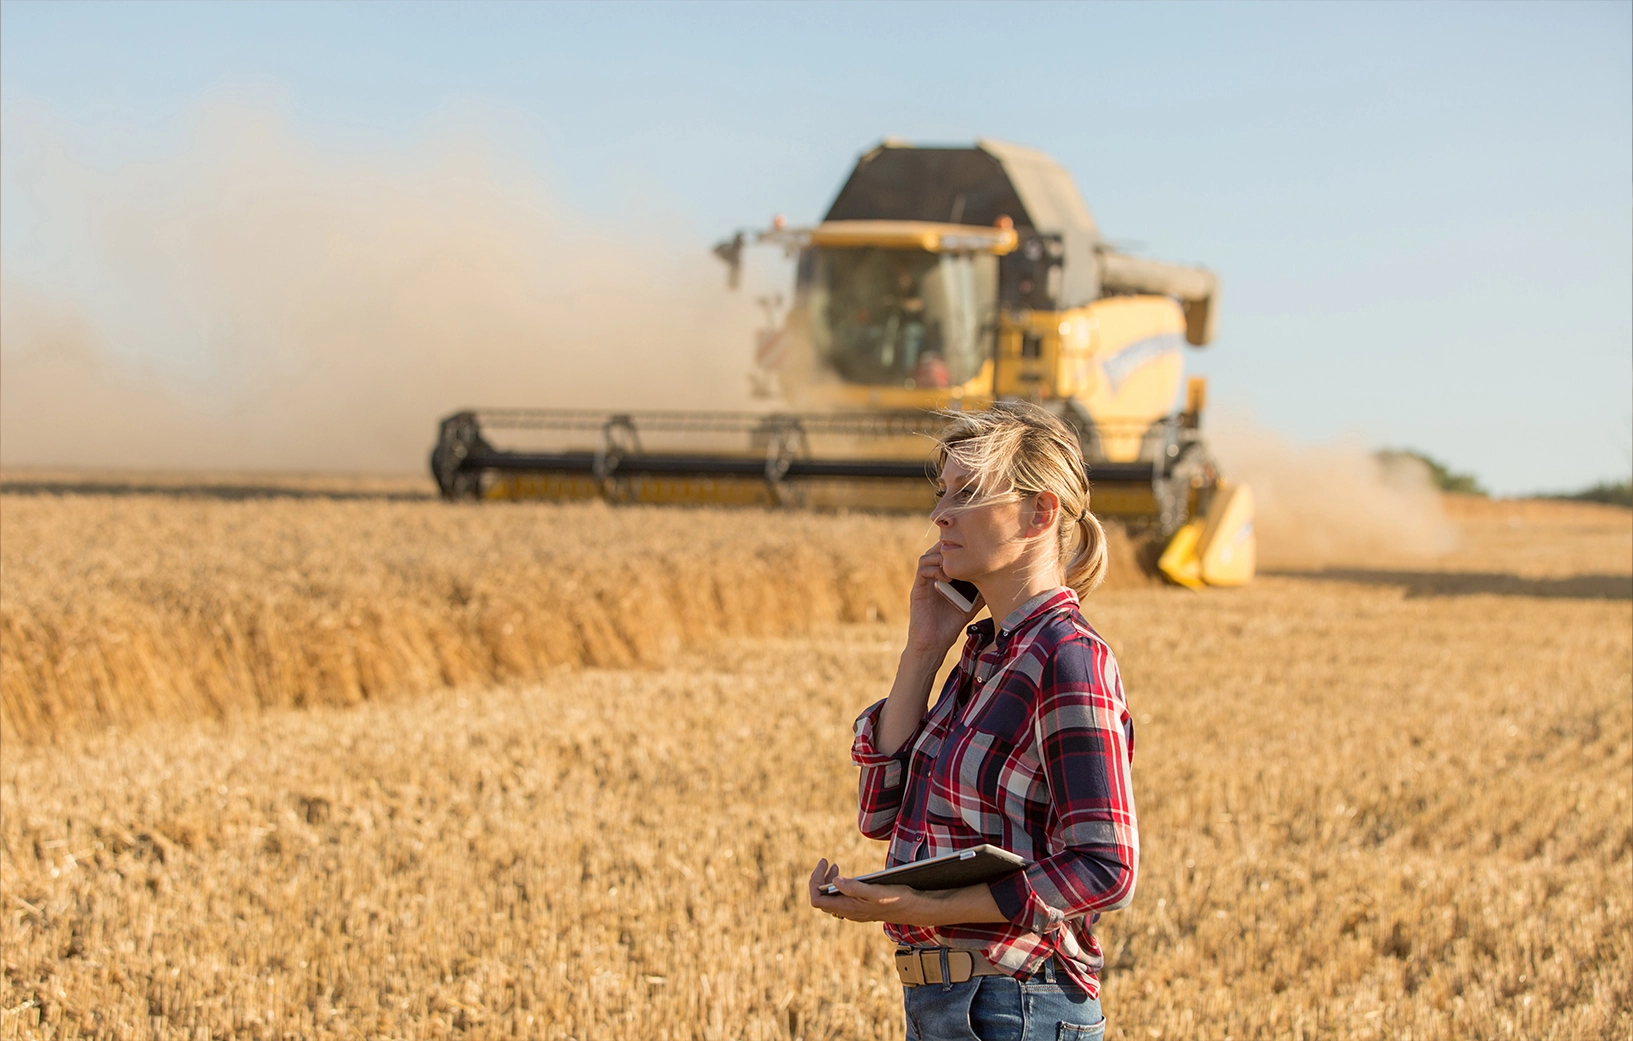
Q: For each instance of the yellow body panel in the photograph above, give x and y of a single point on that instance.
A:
(1137, 368)
(1216, 550)
(1180, 561)
(1228, 550)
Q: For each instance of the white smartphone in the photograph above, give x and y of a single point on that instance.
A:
(960, 592)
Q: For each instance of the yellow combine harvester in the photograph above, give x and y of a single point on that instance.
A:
(941, 278)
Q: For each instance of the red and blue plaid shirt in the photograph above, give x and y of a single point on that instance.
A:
(1029, 748)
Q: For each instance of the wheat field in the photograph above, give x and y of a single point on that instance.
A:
(330, 759)
(131, 604)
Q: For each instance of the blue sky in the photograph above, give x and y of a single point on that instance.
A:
(1422, 215)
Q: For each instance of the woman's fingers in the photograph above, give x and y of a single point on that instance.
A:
(859, 901)
(841, 904)
(930, 566)
(866, 892)
(824, 874)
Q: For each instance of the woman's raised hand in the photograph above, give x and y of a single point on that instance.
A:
(934, 622)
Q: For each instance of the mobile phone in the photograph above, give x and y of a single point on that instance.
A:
(960, 592)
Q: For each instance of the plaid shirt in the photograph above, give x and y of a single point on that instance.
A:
(1029, 748)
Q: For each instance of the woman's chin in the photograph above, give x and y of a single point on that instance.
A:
(957, 563)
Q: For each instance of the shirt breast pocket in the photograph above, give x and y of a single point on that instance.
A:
(1008, 718)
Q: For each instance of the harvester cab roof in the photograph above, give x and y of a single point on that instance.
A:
(1053, 265)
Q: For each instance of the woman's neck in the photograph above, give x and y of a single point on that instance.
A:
(1005, 592)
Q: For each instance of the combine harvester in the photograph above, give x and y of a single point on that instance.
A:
(941, 278)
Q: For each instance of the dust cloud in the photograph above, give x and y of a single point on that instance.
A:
(253, 300)
(1331, 504)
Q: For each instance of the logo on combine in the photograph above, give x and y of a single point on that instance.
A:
(1120, 366)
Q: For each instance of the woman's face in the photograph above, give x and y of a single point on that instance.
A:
(982, 541)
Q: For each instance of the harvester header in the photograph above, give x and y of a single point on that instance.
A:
(940, 278)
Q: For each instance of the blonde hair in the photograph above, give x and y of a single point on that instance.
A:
(1016, 448)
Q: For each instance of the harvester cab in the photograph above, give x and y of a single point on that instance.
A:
(940, 279)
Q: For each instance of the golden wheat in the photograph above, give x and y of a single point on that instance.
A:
(1370, 807)
(115, 609)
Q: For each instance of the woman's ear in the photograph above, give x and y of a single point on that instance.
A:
(1045, 511)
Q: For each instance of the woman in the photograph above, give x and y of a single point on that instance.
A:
(1028, 748)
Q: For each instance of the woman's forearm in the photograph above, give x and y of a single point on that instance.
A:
(955, 907)
(908, 701)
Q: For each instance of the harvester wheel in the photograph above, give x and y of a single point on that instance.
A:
(785, 441)
(459, 439)
(619, 439)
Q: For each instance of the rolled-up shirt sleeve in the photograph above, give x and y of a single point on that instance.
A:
(1085, 743)
(879, 794)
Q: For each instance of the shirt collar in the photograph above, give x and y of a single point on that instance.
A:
(1041, 604)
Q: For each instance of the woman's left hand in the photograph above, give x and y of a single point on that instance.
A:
(900, 905)
(862, 902)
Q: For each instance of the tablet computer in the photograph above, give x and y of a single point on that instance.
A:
(966, 867)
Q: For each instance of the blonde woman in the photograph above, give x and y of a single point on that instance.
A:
(1028, 748)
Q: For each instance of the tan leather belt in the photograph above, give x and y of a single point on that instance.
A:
(918, 966)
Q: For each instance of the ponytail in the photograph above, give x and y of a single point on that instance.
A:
(1088, 565)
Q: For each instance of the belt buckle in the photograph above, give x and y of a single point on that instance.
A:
(910, 968)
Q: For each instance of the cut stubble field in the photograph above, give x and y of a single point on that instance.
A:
(298, 765)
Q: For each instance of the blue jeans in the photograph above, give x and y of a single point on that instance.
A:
(1047, 1007)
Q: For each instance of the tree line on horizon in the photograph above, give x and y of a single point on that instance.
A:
(1614, 492)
